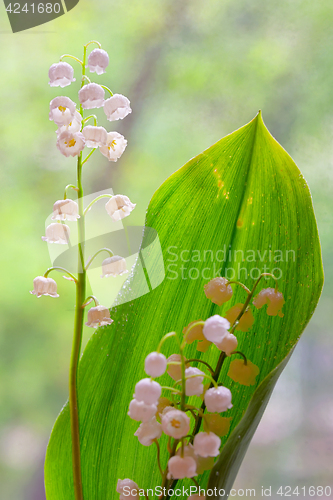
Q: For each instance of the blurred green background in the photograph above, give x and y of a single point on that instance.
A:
(194, 72)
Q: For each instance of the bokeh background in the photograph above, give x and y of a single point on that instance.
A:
(194, 72)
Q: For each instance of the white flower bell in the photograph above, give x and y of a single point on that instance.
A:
(65, 210)
(218, 399)
(127, 489)
(114, 147)
(91, 96)
(148, 391)
(95, 136)
(44, 286)
(155, 364)
(117, 107)
(179, 468)
(119, 206)
(73, 126)
(216, 328)
(57, 233)
(62, 110)
(113, 266)
(99, 316)
(228, 344)
(207, 444)
(98, 60)
(70, 144)
(148, 431)
(61, 74)
(194, 385)
(175, 423)
(140, 411)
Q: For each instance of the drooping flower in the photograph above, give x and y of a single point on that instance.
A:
(218, 291)
(175, 423)
(207, 444)
(61, 74)
(113, 266)
(73, 126)
(243, 373)
(245, 322)
(193, 384)
(91, 96)
(228, 344)
(95, 136)
(155, 364)
(117, 107)
(216, 328)
(99, 316)
(218, 399)
(140, 411)
(62, 110)
(179, 468)
(65, 210)
(127, 489)
(115, 146)
(44, 286)
(202, 463)
(57, 233)
(119, 206)
(274, 300)
(175, 371)
(70, 144)
(148, 391)
(148, 431)
(98, 61)
(196, 333)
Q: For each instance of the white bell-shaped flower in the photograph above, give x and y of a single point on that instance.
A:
(65, 210)
(216, 328)
(98, 316)
(207, 444)
(73, 126)
(193, 384)
(95, 136)
(218, 399)
(62, 110)
(127, 489)
(115, 146)
(91, 96)
(175, 423)
(228, 344)
(57, 233)
(119, 206)
(148, 431)
(140, 411)
(113, 266)
(61, 74)
(179, 468)
(175, 371)
(44, 286)
(148, 391)
(70, 144)
(98, 60)
(117, 107)
(155, 364)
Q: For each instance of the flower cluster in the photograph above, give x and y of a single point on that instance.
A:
(192, 450)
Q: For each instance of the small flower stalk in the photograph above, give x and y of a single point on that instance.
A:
(76, 134)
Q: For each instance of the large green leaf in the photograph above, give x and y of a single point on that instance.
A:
(244, 193)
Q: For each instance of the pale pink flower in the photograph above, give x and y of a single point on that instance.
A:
(273, 299)
(127, 489)
(98, 60)
(179, 468)
(44, 286)
(73, 126)
(91, 96)
(216, 328)
(155, 364)
(119, 206)
(57, 233)
(140, 411)
(95, 136)
(61, 74)
(194, 385)
(117, 107)
(207, 444)
(175, 371)
(175, 423)
(98, 316)
(113, 266)
(148, 391)
(148, 431)
(228, 344)
(114, 147)
(62, 110)
(65, 210)
(70, 144)
(218, 399)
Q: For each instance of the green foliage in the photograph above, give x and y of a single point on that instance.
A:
(244, 193)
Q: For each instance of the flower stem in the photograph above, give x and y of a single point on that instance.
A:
(95, 255)
(96, 199)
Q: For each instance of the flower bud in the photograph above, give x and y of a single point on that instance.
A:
(117, 107)
(140, 411)
(244, 374)
(175, 423)
(98, 60)
(62, 110)
(44, 286)
(126, 487)
(218, 399)
(113, 266)
(65, 210)
(155, 364)
(99, 316)
(207, 444)
(216, 328)
(61, 74)
(148, 431)
(179, 468)
(57, 233)
(274, 300)
(228, 344)
(114, 147)
(91, 96)
(119, 206)
(218, 291)
(148, 391)
(95, 136)
(194, 385)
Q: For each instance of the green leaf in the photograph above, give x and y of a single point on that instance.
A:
(243, 199)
